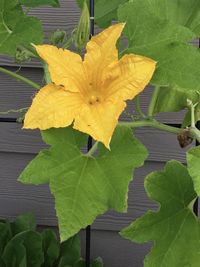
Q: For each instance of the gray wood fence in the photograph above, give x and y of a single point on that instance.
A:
(18, 147)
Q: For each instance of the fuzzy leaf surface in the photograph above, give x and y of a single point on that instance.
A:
(174, 228)
(164, 41)
(36, 171)
(15, 28)
(184, 12)
(85, 187)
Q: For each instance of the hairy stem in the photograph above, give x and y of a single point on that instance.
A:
(93, 149)
(47, 75)
(153, 101)
(152, 123)
(13, 111)
(20, 78)
(193, 131)
(138, 107)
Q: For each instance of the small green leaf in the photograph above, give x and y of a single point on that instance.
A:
(24, 249)
(85, 187)
(70, 251)
(174, 228)
(5, 235)
(23, 223)
(193, 160)
(35, 3)
(97, 262)
(51, 248)
(15, 28)
(80, 263)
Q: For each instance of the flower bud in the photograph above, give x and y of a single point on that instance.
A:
(83, 30)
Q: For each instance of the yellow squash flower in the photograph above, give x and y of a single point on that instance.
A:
(89, 93)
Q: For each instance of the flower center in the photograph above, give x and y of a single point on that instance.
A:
(93, 99)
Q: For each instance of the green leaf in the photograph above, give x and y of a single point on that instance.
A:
(5, 235)
(35, 3)
(178, 62)
(25, 249)
(94, 263)
(64, 135)
(193, 160)
(85, 187)
(51, 248)
(70, 251)
(36, 172)
(23, 223)
(15, 28)
(184, 12)
(80, 263)
(145, 35)
(97, 262)
(105, 11)
(174, 99)
(174, 229)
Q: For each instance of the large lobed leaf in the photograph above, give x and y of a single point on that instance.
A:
(165, 39)
(15, 28)
(174, 229)
(85, 187)
(184, 12)
(193, 160)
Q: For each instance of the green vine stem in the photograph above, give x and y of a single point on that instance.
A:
(193, 132)
(138, 107)
(153, 101)
(47, 75)
(152, 123)
(13, 111)
(20, 78)
(92, 150)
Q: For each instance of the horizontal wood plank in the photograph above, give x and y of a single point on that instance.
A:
(17, 198)
(116, 251)
(162, 146)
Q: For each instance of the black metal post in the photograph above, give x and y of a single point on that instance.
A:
(196, 204)
(88, 229)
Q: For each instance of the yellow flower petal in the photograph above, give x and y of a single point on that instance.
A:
(65, 67)
(52, 107)
(101, 51)
(99, 120)
(127, 77)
